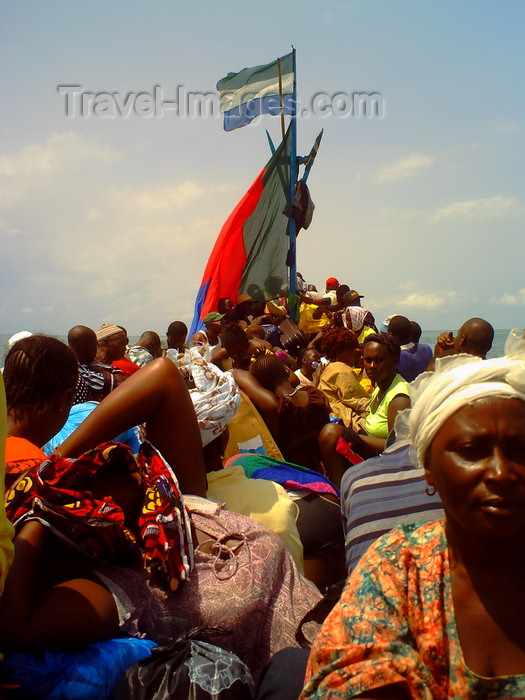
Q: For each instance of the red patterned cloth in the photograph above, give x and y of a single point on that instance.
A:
(59, 494)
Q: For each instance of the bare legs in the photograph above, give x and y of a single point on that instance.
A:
(157, 396)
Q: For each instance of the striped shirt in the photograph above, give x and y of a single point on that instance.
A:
(380, 494)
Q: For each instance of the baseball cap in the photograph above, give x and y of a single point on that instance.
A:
(351, 296)
(332, 283)
(213, 316)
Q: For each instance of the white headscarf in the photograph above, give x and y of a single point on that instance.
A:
(216, 395)
(458, 380)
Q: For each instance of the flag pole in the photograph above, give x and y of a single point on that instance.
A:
(293, 178)
(281, 97)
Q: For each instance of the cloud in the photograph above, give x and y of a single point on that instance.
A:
(429, 301)
(78, 237)
(512, 299)
(506, 127)
(490, 207)
(35, 164)
(404, 168)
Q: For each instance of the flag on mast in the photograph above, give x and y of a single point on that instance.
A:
(252, 244)
(254, 91)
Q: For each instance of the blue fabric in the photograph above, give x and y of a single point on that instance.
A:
(92, 673)
(79, 412)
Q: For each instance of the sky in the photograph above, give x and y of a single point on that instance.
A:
(111, 216)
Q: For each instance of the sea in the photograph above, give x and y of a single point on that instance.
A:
(428, 337)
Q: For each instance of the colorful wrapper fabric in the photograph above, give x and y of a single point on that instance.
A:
(291, 476)
(58, 494)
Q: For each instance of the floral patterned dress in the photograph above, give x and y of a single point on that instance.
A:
(395, 623)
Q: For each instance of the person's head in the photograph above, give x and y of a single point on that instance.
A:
(354, 318)
(225, 305)
(212, 321)
(383, 328)
(273, 285)
(474, 337)
(269, 372)
(381, 352)
(352, 298)
(256, 293)
(151, 341)
(40, 377)
(83, 342)
(254, 331)
(306, 357)
(331, 283)
(176, 334)
(340, 292)
(112, 342)
(244, 305)
(399, 326)
(415, 332)
(339, 344)
(237, 345)
(466, 428)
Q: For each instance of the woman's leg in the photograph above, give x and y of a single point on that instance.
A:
(155, 395)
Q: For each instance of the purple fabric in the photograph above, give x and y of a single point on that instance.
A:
(414, 361)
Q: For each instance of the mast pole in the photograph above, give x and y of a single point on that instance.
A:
(293, 179)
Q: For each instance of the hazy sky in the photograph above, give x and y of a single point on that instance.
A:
(112, 218)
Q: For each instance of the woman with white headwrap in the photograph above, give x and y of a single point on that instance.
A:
(438, 610)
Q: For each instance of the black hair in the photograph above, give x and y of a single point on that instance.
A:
(415, 331)
(37, 370)
(269, 371)
(177, 328)
(387, 340)
(233, 336)
(400, 327)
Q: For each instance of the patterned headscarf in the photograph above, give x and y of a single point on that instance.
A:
(458, 380)
(216, 395)
(58, 494)
(354, 318)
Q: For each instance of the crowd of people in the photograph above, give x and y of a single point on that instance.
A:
(291, 466)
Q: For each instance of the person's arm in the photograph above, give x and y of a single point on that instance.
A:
(155, 395)
(377, 445)
(77, 611)
(198, 337)
(315, 340)
(398, 403)
(265, 402)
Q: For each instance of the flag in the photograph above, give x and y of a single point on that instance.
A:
(252, 244)
(254, 91)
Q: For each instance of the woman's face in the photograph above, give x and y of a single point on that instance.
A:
(477, 464)
(379, 362)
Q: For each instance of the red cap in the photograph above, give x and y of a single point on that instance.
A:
(332, 283)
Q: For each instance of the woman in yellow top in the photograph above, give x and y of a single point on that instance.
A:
(380, 357)
(339, 382)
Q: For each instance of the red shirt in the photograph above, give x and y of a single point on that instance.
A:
(126, 366)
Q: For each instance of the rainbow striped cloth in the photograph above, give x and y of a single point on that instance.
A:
(291, 476)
